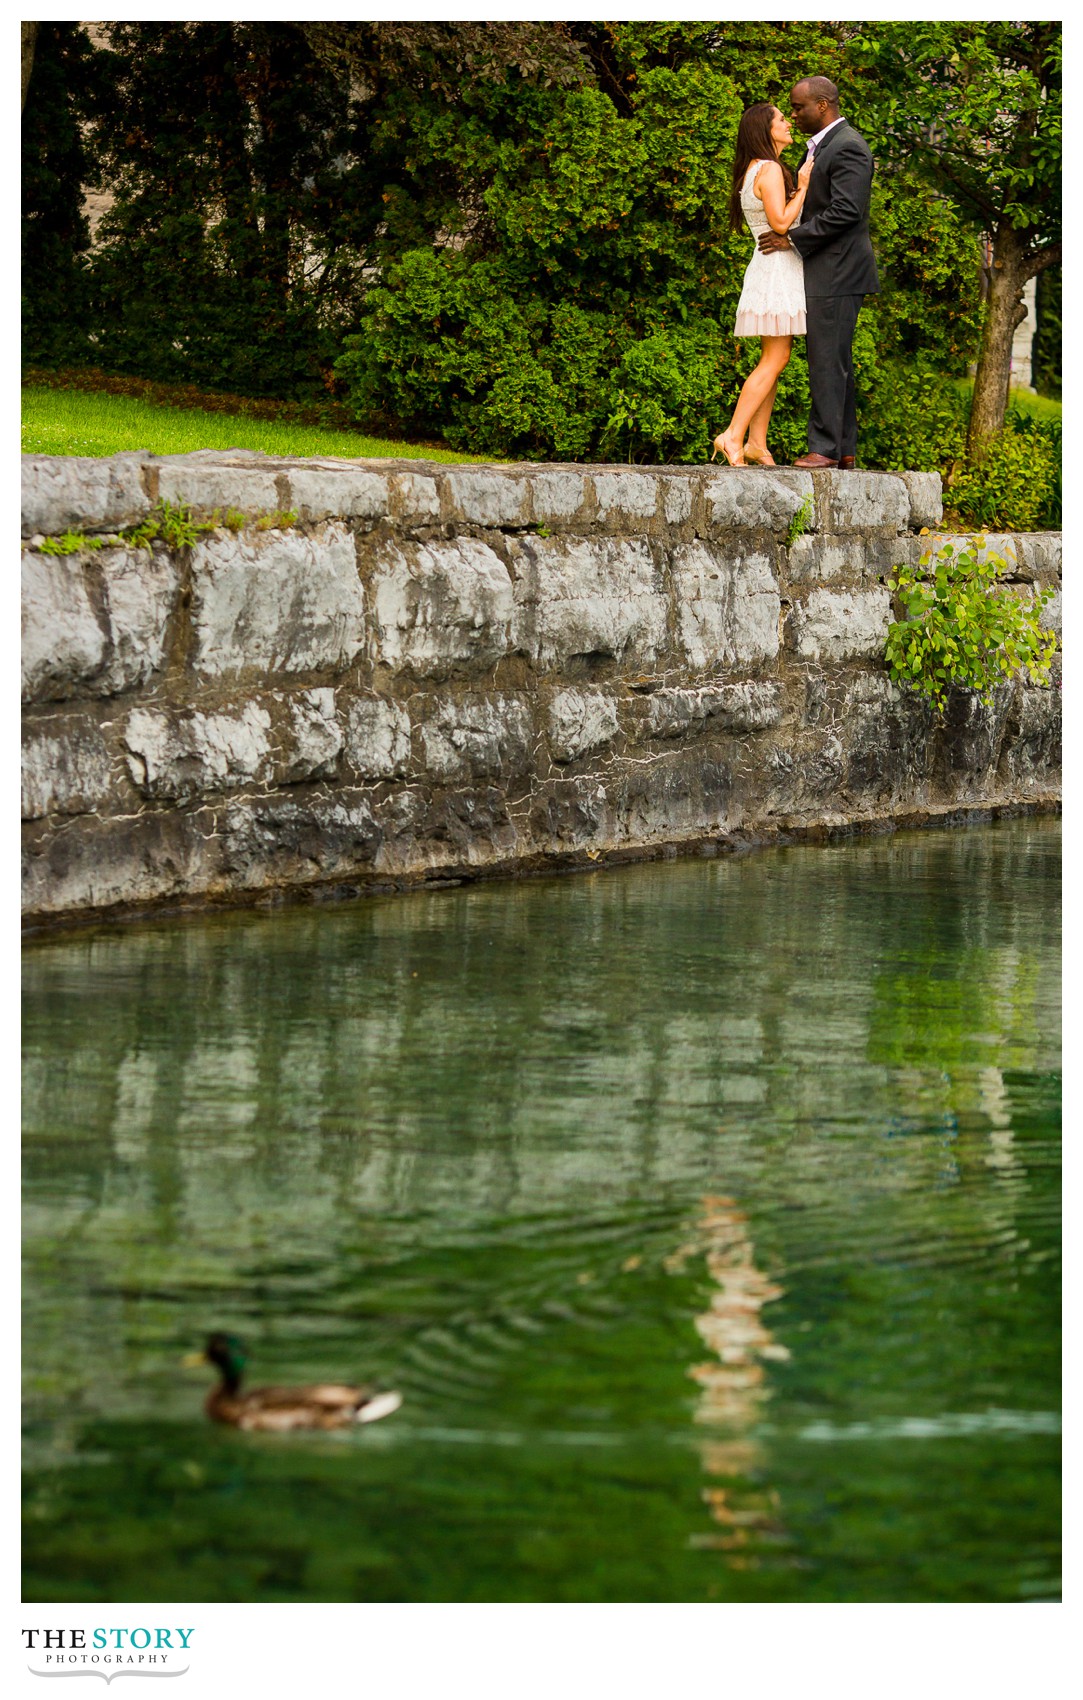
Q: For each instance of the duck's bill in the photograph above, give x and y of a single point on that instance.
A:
(381, 1406)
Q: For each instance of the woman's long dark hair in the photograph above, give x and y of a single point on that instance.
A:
(754, 142)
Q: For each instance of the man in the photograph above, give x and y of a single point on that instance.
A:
(840, 270)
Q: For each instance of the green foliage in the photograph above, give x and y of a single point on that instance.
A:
(167, 523)
(279, 520)
(799, 524)
(964, 629)
(175, 526)
(929, 309)
(975, 109)
(915, 420)
(1017, 484)
(446, 57)
(588, 311)
(172, 525)
(69, 543)
(512, 236)
(57, 167)
(243, 215)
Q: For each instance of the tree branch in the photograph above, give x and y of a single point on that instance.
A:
(1041, 261)
(965, 189)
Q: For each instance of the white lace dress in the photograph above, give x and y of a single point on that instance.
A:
(773, 297)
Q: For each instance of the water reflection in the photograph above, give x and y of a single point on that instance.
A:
(734, 1381)
(450, 1142)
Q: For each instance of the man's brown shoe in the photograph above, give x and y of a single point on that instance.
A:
(814, 463)
(847, 463)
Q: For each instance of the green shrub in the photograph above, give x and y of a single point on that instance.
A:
(586, 311)
(929, 310)
(910, 417)
(665, 393)
(1017, 485)
(963, 628)
(520, 263)
(242, 210)
(56, 167)
(915, 419)
(447, 341)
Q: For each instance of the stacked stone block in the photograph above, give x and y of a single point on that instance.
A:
(431, 672)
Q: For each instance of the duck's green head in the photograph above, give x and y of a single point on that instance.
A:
(227, 1353)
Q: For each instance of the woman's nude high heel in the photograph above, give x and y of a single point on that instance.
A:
(760, 460)
(720, 448)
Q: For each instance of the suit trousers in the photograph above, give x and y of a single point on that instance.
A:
(829, 343)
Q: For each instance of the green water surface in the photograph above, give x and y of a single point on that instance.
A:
(706, 1215)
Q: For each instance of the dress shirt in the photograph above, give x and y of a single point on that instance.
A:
(814, 141)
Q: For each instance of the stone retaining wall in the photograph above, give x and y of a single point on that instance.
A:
(431, 672)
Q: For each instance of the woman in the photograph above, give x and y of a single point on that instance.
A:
(772, 304)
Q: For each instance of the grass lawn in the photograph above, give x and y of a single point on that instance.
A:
(94, 422)
(1037, 406)
(65, 414)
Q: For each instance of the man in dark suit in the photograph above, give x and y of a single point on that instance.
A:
(832, 238)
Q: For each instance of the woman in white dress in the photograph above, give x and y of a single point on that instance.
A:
(772, 304)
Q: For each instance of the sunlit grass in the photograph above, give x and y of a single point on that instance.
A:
(88, 422)
(1025, 401)
(1038, 406)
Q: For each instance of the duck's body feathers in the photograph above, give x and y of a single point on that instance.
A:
(322, 1405)
(326, 1406)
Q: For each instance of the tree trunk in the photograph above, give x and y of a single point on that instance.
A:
(30, 36)
(1004, 310)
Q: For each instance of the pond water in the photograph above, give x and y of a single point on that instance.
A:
(706, 1215)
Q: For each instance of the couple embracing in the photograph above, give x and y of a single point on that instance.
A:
(811, 270)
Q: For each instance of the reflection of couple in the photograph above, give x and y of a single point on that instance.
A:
(813, 254)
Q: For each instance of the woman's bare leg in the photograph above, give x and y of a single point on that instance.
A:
(757, 392)
(757, 428)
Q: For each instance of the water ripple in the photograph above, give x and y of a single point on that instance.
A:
(950, 1425)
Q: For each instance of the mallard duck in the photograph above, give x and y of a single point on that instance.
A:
(322, 1405)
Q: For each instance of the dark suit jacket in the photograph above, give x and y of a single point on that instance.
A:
(833, 234)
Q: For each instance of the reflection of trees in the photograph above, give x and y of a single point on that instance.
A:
(201, 1095)
(734, 1381)
(964, 1002)
(613, 1018)
(501, 1043)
